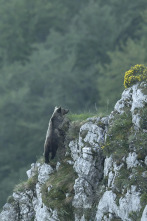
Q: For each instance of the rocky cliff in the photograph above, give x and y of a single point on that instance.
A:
(103, 175)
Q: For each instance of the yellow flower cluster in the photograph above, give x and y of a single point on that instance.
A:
(135, 74)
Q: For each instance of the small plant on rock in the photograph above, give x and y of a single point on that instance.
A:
(135, 74)
(143, 199)
(28, 185)
(10, 199)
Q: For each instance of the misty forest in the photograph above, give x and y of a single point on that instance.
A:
(65, 53)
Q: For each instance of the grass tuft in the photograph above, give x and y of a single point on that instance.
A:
(28, 185)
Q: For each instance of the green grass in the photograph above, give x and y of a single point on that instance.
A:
(80, 117)
(117, 136)
(10, 199)
(28, 185)
(73, 131)
(83, 116)
(144, 199)
(138, 139)
(62, 183)
(40, 160)
(134, 216)
(143, 120)
(121, 139)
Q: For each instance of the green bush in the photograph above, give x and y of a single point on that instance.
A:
(135, 74)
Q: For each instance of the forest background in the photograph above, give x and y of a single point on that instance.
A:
(68, 53)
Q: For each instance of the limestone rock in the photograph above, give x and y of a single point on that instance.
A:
(33, 170)
(44, 171)
(107, 205)
(134, 99)
(131, 160)
(9, 213)
(89, 163)
(144, 215)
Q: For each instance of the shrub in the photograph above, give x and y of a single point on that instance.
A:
(135, 74)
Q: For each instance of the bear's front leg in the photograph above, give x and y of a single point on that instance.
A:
(46, 155)
(54, 149)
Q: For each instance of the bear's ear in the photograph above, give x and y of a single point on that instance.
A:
(59, 110)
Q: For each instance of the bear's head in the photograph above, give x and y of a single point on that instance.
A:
(62, 111)
(58, 111)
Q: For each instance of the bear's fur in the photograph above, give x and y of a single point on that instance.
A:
(55, 133)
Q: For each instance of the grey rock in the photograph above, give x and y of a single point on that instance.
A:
(144, 214)
(44, 171)
(83, 194)
(107, 204)
(132, 161)
(33, 170)
(9, 213)
(134, 99)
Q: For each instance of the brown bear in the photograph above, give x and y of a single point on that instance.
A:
(55, 133)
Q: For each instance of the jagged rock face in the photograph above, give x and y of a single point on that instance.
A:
(88, 163)
(135, 100)
(107, 207)
(27, 205)
(125, 203)
(105, 188)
